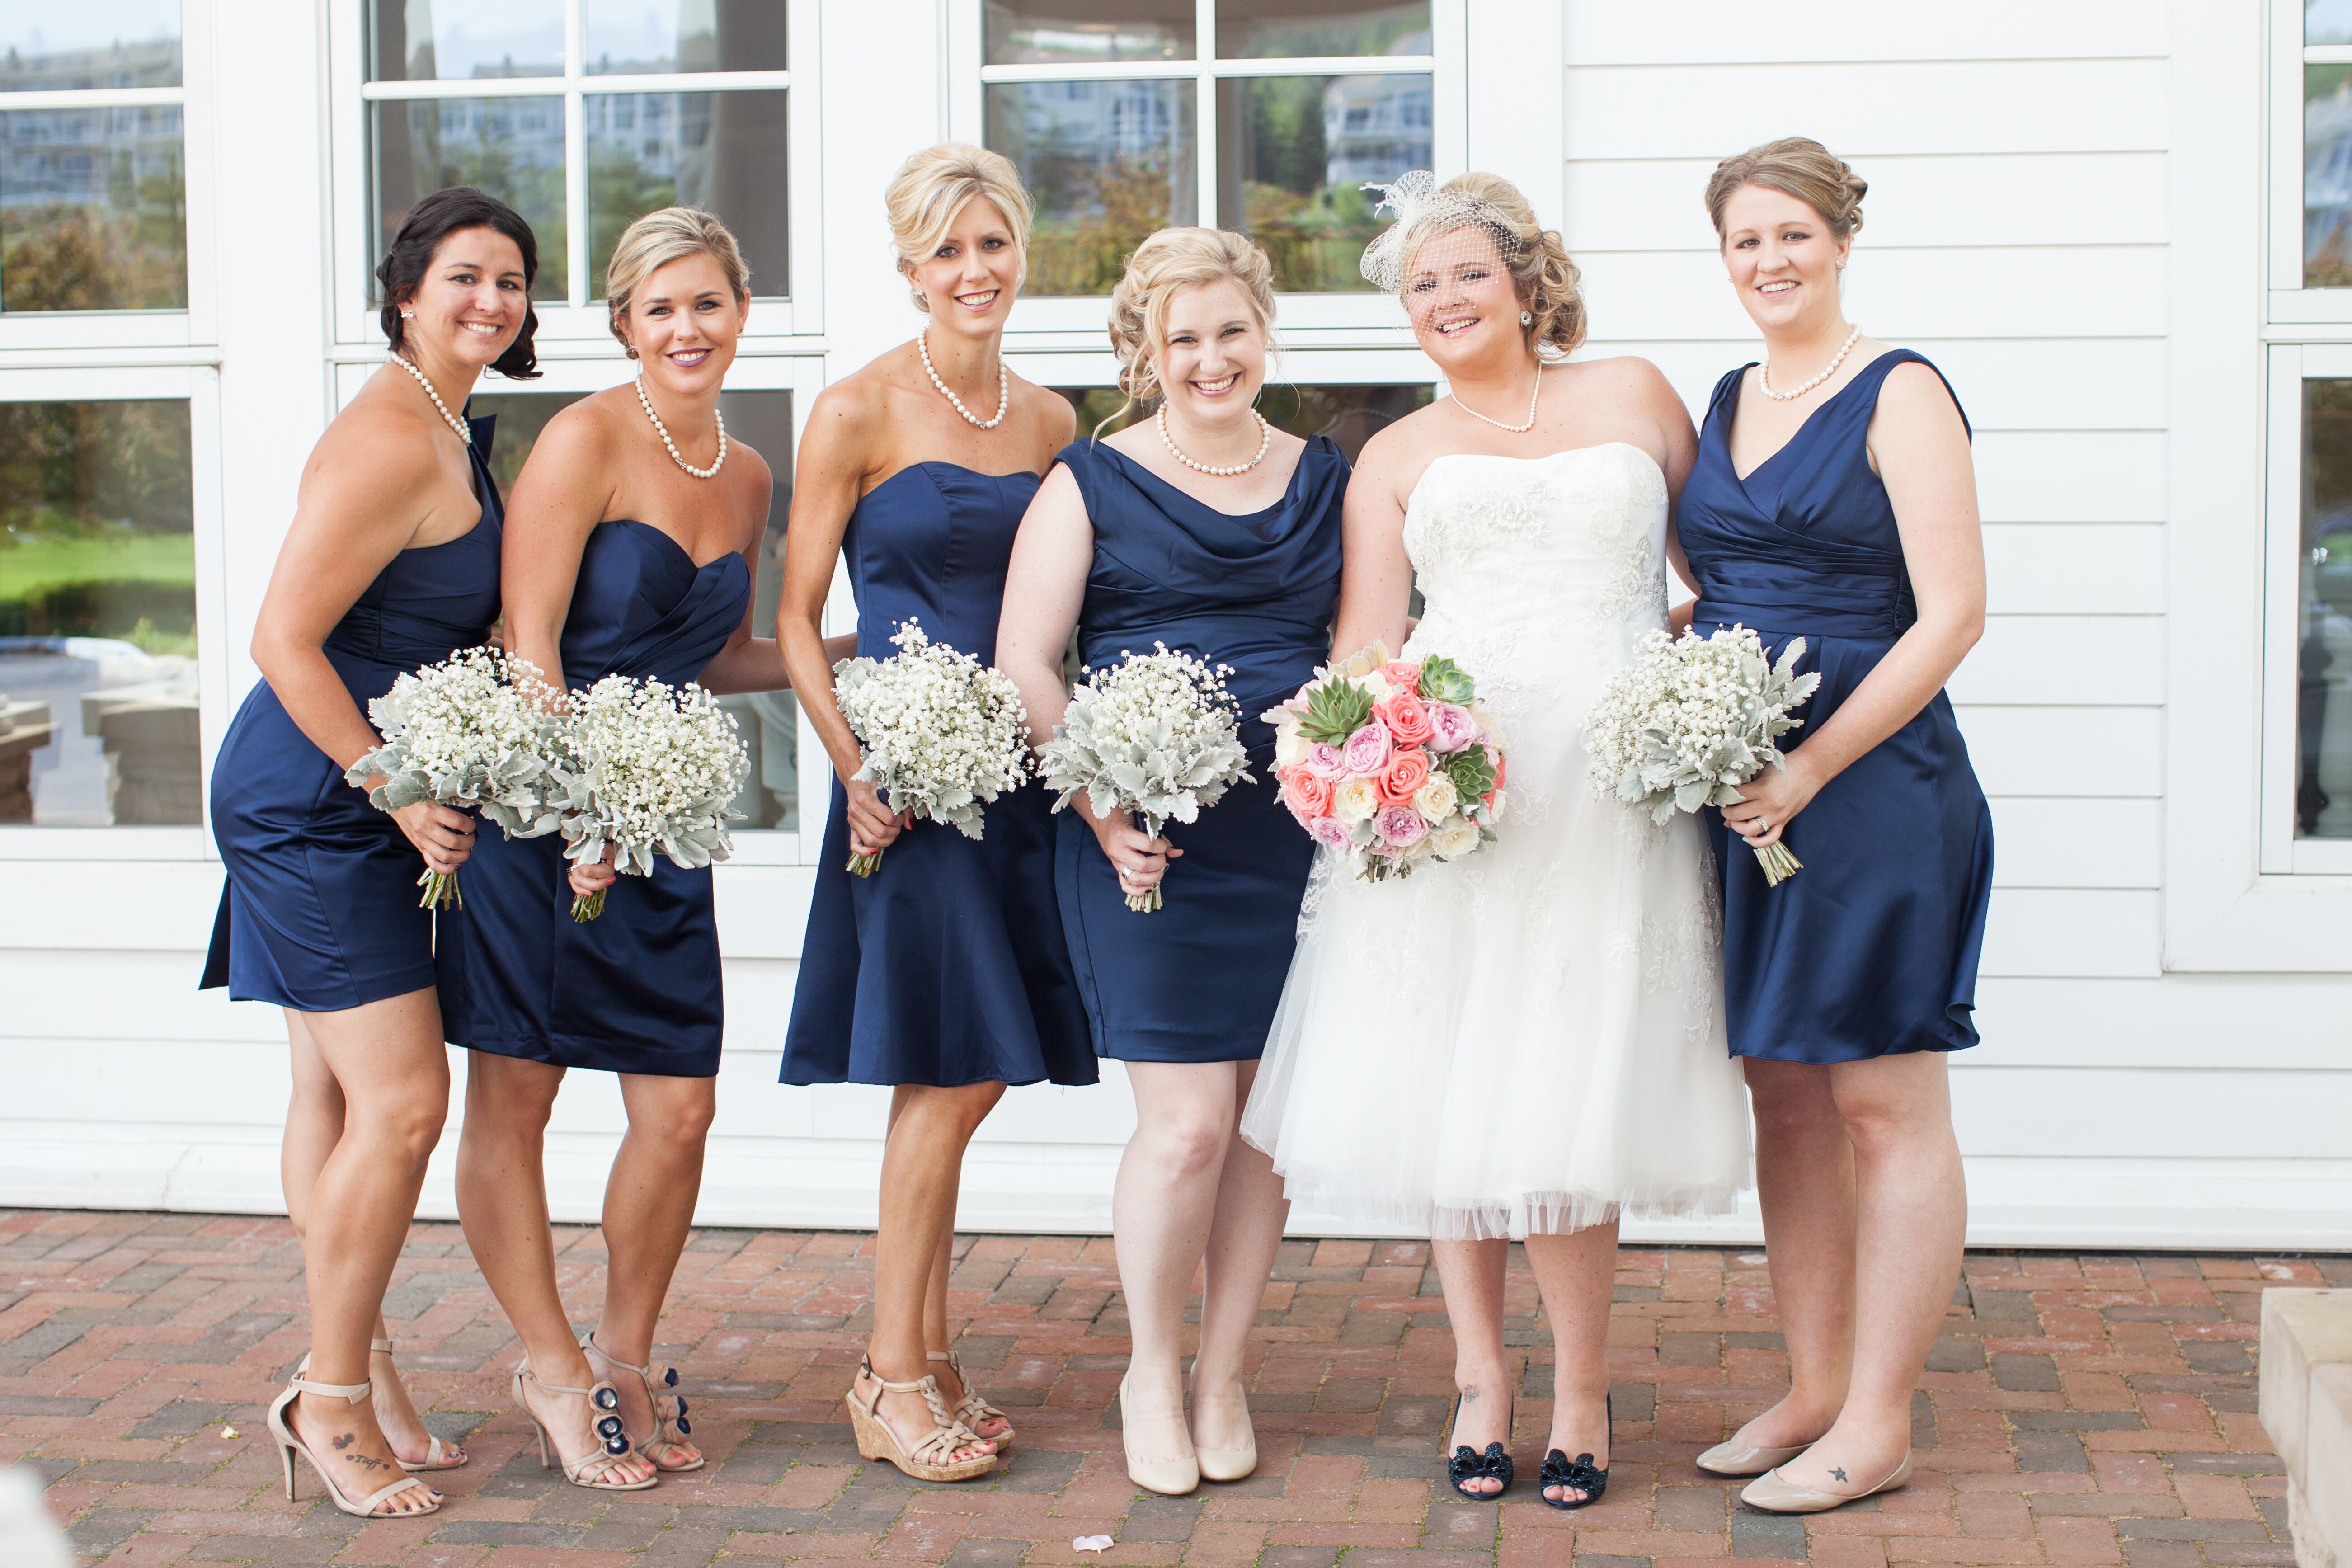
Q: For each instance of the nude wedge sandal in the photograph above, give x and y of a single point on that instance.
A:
(438, 1455)
(927, 1460)
(670, 1409)
(290, 1445)
(591, 1472)
(971, 1409)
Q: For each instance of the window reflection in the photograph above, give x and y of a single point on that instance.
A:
(60, 49)
(2327, 21)
(2323, 795)
(1293, 29)
(1108, 161)
(722, 152)
(511, 147)
(635, 37)
(93, 209)
(98, 614)
(1350, 414)
(1063, 32)
(1293, 155)
(420, 40)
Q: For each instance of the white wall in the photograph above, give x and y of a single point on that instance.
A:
(2026, 170)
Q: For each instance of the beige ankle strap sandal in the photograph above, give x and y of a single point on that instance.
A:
(290, 1443)
(438, 1455)
(667, 1444)
(594, 1470)
(929, 1459)
(971, 1409)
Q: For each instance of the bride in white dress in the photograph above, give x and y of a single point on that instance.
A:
(1529, 1042)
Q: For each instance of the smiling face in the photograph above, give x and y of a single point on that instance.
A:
(472, 301)
(1782, 259)
(683, 321)
(1214, 362)
(972, 273)
(1462, 300)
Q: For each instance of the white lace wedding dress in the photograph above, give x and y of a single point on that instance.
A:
(1529, 1039)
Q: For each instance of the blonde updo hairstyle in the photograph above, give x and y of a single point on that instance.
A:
(655, 240)
(1164, 265)
(1795, 166)
(1544, 276)
(933, 186)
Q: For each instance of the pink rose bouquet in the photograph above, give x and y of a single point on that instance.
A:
(1390, 761)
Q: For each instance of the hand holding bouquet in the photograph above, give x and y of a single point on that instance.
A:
(474, 731)
(1692, 719)
(1390, 761)
(1156, 735)
(648, 767)
(943, 733)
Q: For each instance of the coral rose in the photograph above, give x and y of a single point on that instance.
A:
(1403, 674)
(1407, 718)
(1406, 772)
(1306, 793)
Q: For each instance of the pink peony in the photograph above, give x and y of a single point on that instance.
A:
(1450, 728)
(1324, 760)
(1307, 794)
(1401, 827)
(1329, 831)
(1407, 771)
(1407, 718)
(1367, 750)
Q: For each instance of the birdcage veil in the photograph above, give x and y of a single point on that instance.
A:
(1424, 210)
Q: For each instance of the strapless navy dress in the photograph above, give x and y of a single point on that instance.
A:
(319, 913)
(1197, 981)
(1872, 949)
(637, 989)
(947, 966)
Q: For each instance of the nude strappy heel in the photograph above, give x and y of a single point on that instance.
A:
(927, 1460)
(290, 1445)
(590, 1471)
(971, 1409)
(670, 1409)
(438, 1455)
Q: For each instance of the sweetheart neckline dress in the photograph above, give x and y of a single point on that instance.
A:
(1872, 949)
(319, 910)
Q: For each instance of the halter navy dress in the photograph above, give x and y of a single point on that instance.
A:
(947, 966)
(1197, 981)
(320, 912)
(1872, 949)
(637, 989)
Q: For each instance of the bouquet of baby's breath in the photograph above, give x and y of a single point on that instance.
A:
(648, 767)
(475, 731)
(942, 732)
(1157, 736)
(1692, 719)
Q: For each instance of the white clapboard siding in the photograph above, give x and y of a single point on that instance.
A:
(2144, 1112)
(1734, 31)
(2175, 1021)
(2086, 932)
(2070, 660)
(2076, 475)
(1963, 201)
(2074, 568)
(2107, 752)
(1901, 107)
(2043, 841)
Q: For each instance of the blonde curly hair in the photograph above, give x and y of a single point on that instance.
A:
(1168, 263)
(1541, 273)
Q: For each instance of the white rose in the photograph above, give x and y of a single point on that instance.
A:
(1290, 747)
(1355, 800)
(1454, 840)
(1435, 800)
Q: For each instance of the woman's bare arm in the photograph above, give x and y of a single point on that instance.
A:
(562, 493)
(1375, 572)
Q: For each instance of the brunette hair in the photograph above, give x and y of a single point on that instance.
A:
(1168, 263)
(655, 240)
(935, 185)
(434, 219)
(1795, 166)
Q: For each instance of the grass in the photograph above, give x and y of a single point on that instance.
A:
(35, 564)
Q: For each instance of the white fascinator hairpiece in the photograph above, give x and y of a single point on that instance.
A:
(1424, 210)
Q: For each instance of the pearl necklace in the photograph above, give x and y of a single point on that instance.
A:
(1004, 386)
(459, 426)
(663, 431)
(1265, 444)
(1513, 429)
(1764, 374)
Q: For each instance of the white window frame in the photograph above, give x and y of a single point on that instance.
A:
(2291, 302)
(580, 320)
(1366, 317)
(89, 334)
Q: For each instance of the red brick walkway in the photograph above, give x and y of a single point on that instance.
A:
(2079, 1410)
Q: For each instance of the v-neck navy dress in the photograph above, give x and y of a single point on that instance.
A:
(637, 989)
(1872, 949)
(1198, 980)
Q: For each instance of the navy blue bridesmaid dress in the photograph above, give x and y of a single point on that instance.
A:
(636, 989)
(947, 966)
(1197, 981)
(320, 912)
(1872, 949)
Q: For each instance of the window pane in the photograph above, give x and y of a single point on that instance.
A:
(1108, 161)
(2327, 21)
(1032, 32)
(771, 724)
(1287, 30)
(93, 210)
(1350, 414)
(511, 147)
(98, 614)
(722, 152)
(2326, 177)
(55, 48)
(407, 41)
(2323, 793)
(1293, 153)
(627, 36)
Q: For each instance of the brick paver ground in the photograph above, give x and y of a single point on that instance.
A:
(2079, 1411)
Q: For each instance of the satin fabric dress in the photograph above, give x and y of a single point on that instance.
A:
(320, 909)
(947, 965)
(1872, 949)
(1199, 980)
(636, 989)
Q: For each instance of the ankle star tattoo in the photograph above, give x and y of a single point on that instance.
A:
(1839, 1474)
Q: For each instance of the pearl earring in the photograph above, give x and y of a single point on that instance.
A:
(1527, 318)
(411, 315)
